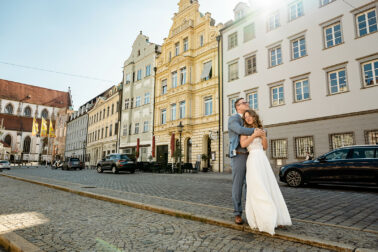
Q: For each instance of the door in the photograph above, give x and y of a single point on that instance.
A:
(162, 154)
(362, 165)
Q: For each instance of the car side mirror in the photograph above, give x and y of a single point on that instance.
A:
(322, 159)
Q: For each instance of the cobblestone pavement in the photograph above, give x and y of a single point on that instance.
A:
(59, 221)
(338, 214)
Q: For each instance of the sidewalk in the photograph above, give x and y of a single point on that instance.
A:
(337, 237)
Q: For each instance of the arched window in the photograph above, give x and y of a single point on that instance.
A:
(8, 140)
(27, 112)
(45, 113)
(26, 148)
(9, 109)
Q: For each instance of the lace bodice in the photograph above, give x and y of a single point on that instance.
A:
(255, 145)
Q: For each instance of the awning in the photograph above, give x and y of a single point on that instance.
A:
(206, 70)
(137, 148)
(153, 146)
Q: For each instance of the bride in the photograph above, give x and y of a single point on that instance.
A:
(265, 207)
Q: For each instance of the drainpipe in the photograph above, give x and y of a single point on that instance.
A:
(153, 109)
(220, 92)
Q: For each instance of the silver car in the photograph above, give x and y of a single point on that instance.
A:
(4, 165)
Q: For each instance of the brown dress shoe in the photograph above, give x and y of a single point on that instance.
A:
(238, 220)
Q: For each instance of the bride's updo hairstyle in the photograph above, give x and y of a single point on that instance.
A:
(256, 119)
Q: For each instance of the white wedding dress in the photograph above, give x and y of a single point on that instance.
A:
(265, 207)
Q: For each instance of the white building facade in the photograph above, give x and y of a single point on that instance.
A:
(138, 98)
(310, 69)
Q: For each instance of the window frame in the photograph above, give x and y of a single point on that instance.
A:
(208, 100)
(273, 151)
(311, 147)
(271, 88)
(331, 145)
(295, 3)
(232, 40)
(270, 50)
(237, 71)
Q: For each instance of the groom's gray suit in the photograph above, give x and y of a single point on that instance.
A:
(238, 157)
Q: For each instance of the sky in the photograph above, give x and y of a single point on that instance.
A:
(89, 38)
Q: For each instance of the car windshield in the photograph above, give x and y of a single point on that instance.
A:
(339, 154)
(124, 157)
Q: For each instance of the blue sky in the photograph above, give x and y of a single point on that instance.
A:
(83, 37)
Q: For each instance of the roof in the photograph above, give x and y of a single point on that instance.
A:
(15, 91)
(21, 123)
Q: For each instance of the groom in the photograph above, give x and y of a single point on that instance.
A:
(238, 155)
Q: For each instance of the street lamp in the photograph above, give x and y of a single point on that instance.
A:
(84, 148)
(180, 128)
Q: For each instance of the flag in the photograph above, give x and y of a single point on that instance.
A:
(51, 130)
(35, 127)
(44, 128)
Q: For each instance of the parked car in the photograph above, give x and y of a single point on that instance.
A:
(116, 162)
(4, 164)
(72, 163)
(346, 165)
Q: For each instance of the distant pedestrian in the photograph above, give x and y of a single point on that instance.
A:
(308, 156)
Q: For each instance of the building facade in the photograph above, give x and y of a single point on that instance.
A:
(103, 125)
(63, 116)
(312, 80)
(138, 98)
(19, 103)
(187, 89)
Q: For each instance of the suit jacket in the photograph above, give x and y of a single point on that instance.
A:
(235, 129)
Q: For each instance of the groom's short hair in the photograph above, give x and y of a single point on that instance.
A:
(236, 102)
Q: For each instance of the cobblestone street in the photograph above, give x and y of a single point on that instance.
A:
(60, 221)
(338, 214)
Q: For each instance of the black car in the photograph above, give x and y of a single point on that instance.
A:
(349, 165)
(116, 162)
(72, 163)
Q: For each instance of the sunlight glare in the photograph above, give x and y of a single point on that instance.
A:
(12, 222)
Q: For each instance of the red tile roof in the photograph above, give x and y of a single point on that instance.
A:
(42, 96)
(20, 123)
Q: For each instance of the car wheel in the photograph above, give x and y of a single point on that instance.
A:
(114, 169)
(99, 169)
(294, 178)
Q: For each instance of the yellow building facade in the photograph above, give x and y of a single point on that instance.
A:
(187, 89)
(103, 125)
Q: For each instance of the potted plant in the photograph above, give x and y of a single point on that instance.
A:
(177, 155)
(205, 158)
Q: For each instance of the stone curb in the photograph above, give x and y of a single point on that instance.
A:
(313, 241)
(15, 243)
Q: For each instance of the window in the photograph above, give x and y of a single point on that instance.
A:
(136, 128)
(183, 76)
(148, 70)
(128, 78)
(341, 140)
(112, 109)
(274, 21)
(301, 90)
(298, 48)
(137, 101)
(252, 100)
(233, 71)
(186, 44)
(337, 155)
(27, 112)
(126, 104)
(279, 148)
(117, 106)
(45, 114)
(102, 133)
(103, 114)
(250, 65)
(337, 81)
(370, 73)
(106, 131)
(332, 35)
(249, 32)
(277, 94)
(325, 2)
(304, 145)
(232, 40)
(124, 130)
(100, 115)
(147, 98)
(170, 56)
(173, 112)
(9, 109)
(145, 126)
(295, 10)
(371, 137)
(275, 56)
(177, 48)
(111, 130)
(164, 87)
(182, 109)
(232, 105)
(359, 153)
(108, 111)
(130, 126)
(131, 102)
(208, 106)
(201, 40)
(366, 22)
(139, 75)
(207, 71)
(163, 116)
(174, 79)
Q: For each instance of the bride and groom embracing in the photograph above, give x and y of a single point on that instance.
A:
(265, 207)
